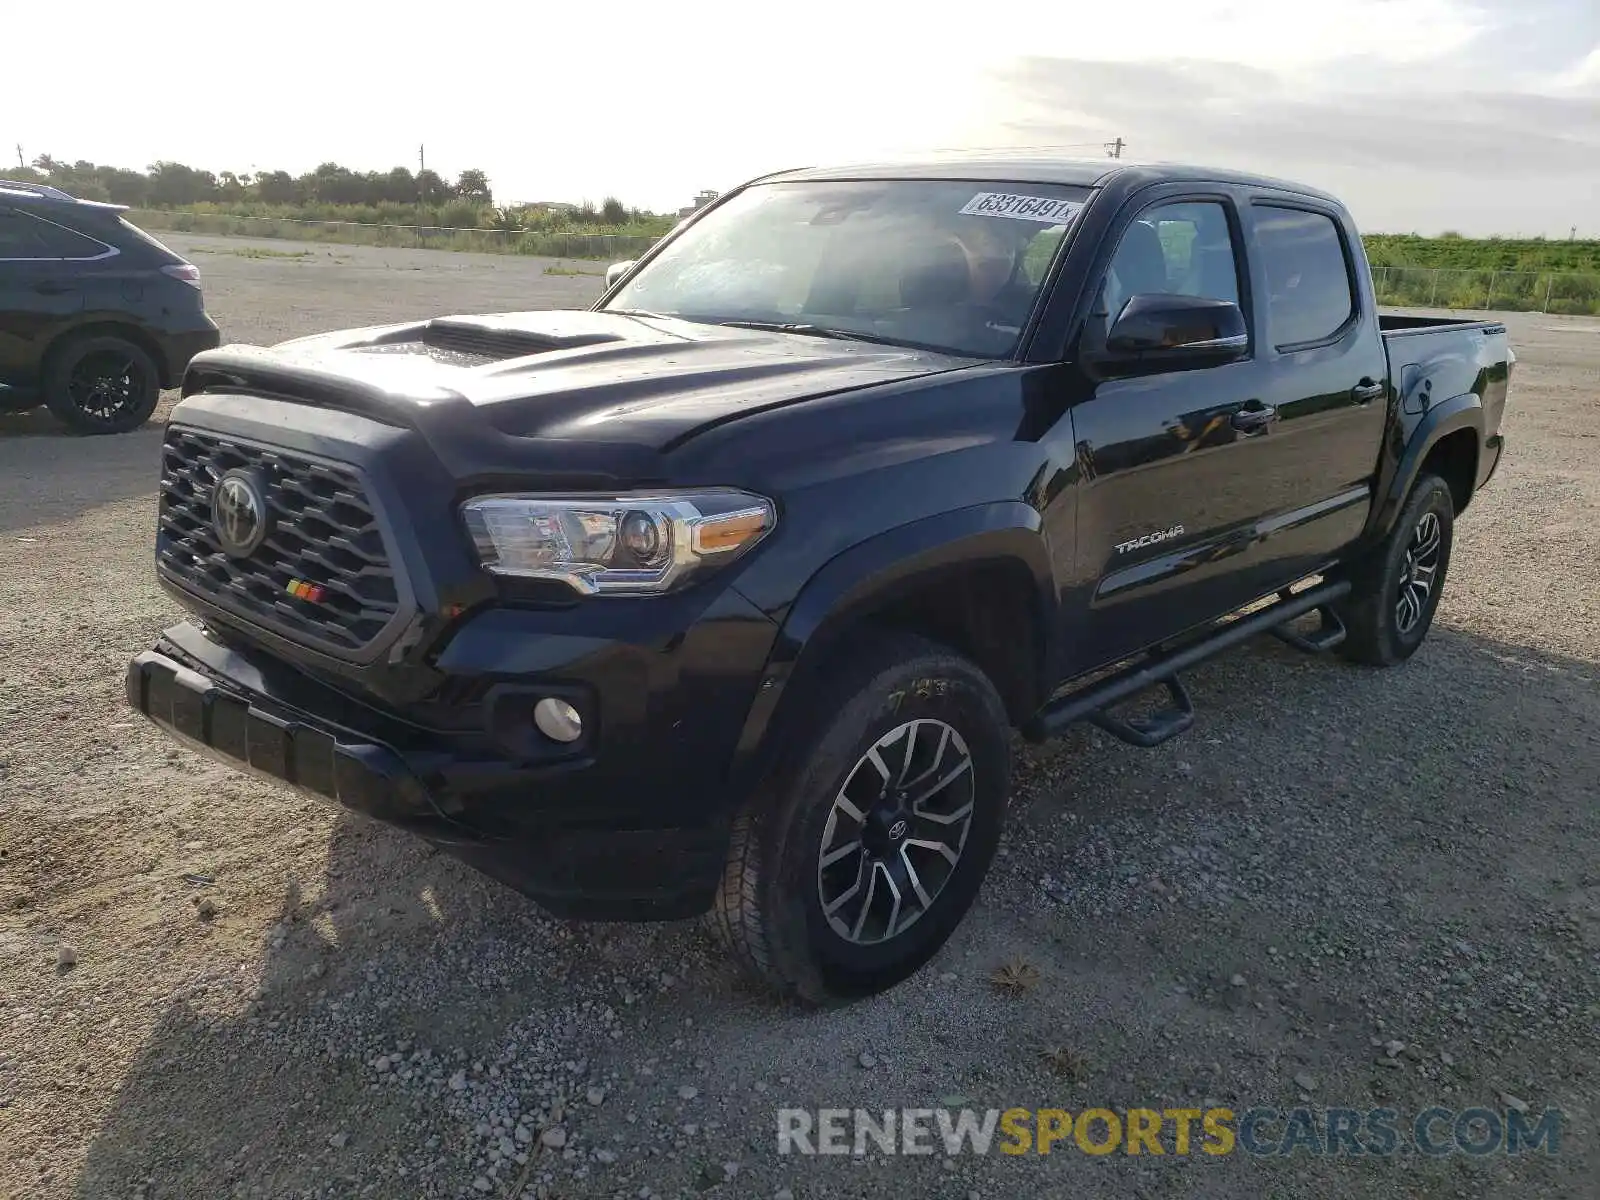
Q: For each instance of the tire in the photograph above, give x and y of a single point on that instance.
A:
(894, 694)
(102, 384)
(1388, 613)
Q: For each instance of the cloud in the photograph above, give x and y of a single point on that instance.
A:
(1362, 122)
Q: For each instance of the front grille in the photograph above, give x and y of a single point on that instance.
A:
(323, 532)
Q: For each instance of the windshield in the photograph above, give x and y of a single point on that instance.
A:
(930, 263)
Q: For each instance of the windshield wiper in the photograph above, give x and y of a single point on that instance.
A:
(640, 312)
(813, 331)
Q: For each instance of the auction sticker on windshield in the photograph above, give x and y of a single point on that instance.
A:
(1045, 209)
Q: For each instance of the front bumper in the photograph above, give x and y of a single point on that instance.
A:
(603, 832)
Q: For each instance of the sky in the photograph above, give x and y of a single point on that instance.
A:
(1480, 116)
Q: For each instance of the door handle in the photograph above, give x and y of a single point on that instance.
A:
(1254, 417)
(1367, 390)
(52, 289)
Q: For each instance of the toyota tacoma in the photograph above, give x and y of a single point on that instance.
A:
(725, 595)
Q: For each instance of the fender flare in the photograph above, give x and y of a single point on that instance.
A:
(882, 569)
(1448, 416)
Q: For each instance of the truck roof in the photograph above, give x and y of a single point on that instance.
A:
(1039, 166)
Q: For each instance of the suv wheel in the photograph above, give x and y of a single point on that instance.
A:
(1396, 590)
(860, 855)
(101, 385)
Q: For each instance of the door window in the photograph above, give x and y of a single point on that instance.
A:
(1184, 248)
(1310, 295)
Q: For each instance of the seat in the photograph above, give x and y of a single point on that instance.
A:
(1139, 267)
(940, 277)
(1141, 263)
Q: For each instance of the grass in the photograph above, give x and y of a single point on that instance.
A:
(257, 252)
(1015, 977)
(584, 242)
(559, 269)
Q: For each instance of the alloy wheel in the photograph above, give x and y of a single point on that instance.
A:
(1418, 573)
(105, 384)
(896, 831)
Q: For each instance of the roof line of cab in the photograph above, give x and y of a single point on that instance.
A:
(1033, 168)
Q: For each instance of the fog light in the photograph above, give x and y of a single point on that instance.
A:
(557, 720)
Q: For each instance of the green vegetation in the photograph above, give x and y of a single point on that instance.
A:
(257, 252)
(335, 193)
(1503, 274)
(593, 242)
(1456, 253)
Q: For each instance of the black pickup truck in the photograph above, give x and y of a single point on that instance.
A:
(724, 595)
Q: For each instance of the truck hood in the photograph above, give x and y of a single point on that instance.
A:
(563, 375)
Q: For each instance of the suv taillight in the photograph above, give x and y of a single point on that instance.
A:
(185, 271)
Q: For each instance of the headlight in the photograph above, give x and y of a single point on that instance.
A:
(616, 545)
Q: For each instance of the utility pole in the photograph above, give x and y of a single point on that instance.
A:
(20, 161)
(422, 166)
(1114, 149)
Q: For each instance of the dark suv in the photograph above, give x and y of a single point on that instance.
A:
(96, 316)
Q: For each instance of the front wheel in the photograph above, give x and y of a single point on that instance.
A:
(858, 858)
(1396, 590)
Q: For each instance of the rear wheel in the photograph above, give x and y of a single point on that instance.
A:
(1396, 589)
(859, 857)
(101, 385)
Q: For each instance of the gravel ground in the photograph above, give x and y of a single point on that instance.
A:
(1342, 888)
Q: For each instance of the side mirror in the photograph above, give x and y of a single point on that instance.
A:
(616, 271)
(1171, 332)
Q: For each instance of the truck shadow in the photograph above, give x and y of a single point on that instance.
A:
(397, 944)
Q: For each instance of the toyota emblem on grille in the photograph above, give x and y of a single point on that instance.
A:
(239, 513)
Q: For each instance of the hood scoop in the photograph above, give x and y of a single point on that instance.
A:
(516, 335)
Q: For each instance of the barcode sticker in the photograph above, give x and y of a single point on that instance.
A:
(1047, 210)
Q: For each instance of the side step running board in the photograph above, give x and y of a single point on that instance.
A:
(1323, 638)
(1153, 728)
(1162, 668)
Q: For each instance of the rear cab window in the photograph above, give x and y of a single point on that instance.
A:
(1311, 296)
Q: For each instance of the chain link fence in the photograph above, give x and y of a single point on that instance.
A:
(609, 246)
(1494, 291)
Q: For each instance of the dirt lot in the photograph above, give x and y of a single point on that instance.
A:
(1334, 863)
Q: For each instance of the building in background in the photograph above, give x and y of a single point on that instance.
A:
(701, 199)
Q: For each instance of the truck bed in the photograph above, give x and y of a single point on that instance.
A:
(1393, 325)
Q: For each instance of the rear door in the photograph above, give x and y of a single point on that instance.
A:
(41, 292)
(1326, 378)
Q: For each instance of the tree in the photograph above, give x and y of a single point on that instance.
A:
(612, 212)
(399, 187)
(173, 185)
(474, 185)
(275, 187)
(47, 164)
(431, 189)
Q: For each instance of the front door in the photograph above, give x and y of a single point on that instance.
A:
(1179, 468)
